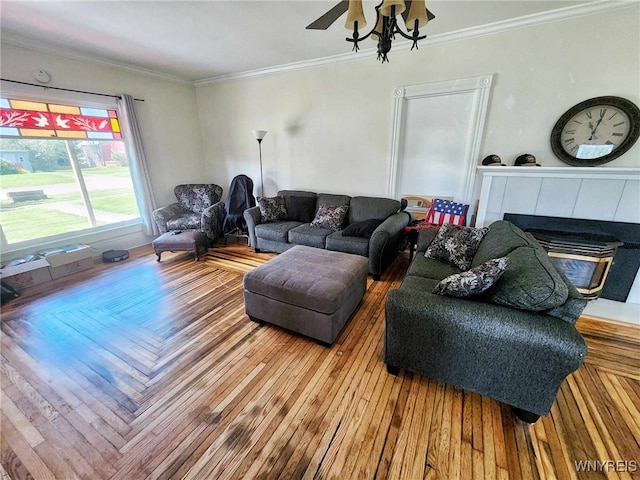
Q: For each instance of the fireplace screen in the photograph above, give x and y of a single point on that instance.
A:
(585, 260)
(587, 274)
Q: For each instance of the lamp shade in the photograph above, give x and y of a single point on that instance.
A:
(385, 9)
(378, 28)
(417, 11)
(355, 14)
(259, 134)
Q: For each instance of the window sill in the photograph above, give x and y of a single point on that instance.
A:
(121, 235)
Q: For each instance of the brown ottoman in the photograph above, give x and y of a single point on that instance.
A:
(181, 241)
(307, 290)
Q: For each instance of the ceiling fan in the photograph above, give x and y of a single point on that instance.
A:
(414, 14)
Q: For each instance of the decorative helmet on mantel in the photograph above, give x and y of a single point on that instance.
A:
(526, 160)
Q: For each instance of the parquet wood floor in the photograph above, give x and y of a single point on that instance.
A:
(151, 370)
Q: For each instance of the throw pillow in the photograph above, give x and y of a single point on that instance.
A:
(530, 282)
(456, 244)
(272, 209)
(300, 209)
(362, 229)
(474, 281)
(330, 217)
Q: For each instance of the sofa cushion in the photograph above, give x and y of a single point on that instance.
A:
(300, 208)
(362, 229)
(277, 231)
(420, 285)
(309, 236)
(530, 282)
(333, 199)
(430, 268)
(502, 238)
(189, 221)
(339, 242)
(364, 208)
(330, 217)
(456, 244)
(272, 208)
(474, 281)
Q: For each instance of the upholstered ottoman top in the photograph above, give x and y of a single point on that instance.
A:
(308, 277)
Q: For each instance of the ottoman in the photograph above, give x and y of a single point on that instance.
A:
(307, 290)
(181, 241)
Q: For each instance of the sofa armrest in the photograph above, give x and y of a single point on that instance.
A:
(253, 217)
(163, 214)
(212, 220)
(515, 356)
(386, 231)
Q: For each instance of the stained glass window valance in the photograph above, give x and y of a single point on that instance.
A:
(20, 118)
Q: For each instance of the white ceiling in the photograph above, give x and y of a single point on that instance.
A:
(200, 40)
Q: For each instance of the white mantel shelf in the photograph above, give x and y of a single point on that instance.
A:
(562, 172)
(596, 193)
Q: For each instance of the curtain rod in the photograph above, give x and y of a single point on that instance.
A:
(67, 89)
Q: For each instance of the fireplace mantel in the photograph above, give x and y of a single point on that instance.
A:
(591, 193)
(594, 193)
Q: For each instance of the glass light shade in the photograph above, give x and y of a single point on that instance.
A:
(385, 9)
(417, 11)
(259, 134)
(355, 14)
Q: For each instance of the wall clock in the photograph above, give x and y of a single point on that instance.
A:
(596, 131)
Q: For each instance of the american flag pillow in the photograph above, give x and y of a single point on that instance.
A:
(446, 211)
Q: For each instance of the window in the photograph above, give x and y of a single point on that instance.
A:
(63, 170)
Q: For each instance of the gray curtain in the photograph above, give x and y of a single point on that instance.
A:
(138, 163)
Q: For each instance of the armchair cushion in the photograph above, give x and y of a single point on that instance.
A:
(197, 197)
(189, 221)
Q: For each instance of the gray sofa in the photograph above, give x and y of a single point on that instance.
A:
(515, 343)
(380, 248)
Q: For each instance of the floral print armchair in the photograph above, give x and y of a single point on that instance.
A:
(198, 208)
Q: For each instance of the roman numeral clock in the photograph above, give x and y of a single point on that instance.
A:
(596, 131)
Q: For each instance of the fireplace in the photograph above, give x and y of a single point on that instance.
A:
(601, 258)
(586, 259)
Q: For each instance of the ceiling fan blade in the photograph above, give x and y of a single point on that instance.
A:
(430, 15)
(326, 20)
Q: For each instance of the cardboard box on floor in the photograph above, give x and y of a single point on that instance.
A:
(68, 259)
(27, 274)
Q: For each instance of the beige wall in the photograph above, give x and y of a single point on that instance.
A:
(168, 115)
(330, 126)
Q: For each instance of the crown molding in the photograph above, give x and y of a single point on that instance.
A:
(565, 13)
(49, 50)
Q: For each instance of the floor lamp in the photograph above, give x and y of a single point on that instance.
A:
(260, 134)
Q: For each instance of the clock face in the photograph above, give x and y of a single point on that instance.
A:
(596, 131)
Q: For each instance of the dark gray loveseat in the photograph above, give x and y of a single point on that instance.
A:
(380, 248)
(519, 356)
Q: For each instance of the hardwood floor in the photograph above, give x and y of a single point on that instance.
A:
(152, 370)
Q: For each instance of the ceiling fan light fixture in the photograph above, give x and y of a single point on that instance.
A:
(379, 27)
(355, 14)
(417, 11)
(387, 7)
